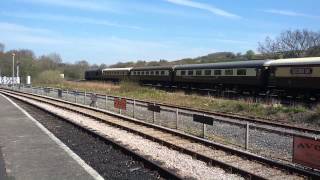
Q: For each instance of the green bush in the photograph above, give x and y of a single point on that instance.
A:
(48, 77)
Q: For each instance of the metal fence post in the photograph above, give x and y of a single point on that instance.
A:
(106, 102)
(177, 118)
(75, 96)
(84, 99)
(204, 129)
(134, 107)
(154, 114)
(247, 136)
(67, 95)
(119, 107)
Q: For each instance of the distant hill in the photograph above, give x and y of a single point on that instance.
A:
(210, 58)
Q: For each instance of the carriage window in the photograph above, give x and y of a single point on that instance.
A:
(301, 70)
(138, 72)
(190, 73)
(198, 72)
(151, 72)
(142, 73)
(147, 73)
(157, 72)
(229, 72)
(183, 73)
(207, 72)
(217, 72)
(162, 72)
(241, 72)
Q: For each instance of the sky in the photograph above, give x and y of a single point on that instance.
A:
(111, 31)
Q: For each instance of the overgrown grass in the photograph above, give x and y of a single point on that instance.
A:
(297, 114)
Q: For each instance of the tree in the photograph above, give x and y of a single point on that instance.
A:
(2, 47)
(55, 57)
(250, 54)
(290, 44)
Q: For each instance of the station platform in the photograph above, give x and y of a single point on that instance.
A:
(29, 151)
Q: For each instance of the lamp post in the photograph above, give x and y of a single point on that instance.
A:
(13, 54)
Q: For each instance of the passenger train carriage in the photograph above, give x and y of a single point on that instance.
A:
(299, 75)
(116, 74)
(245, 74)
(93, 74)
(152, 75)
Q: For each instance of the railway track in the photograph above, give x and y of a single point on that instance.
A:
(109, 158)
(239, 162)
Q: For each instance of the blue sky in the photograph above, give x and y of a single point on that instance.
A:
(109, 31)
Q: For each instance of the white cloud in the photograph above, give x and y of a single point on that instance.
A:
(33, 39)
(75, 4)
(72, 19)
(290, 13)
(5, 26)
(203, 6)
(107, 50)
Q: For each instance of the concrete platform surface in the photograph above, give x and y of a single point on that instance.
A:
(29, 151)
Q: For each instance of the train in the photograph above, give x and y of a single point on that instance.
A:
(283, 77)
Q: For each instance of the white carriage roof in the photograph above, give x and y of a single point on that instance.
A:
(117, 69)
(293, 61)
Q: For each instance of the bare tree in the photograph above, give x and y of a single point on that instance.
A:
(290, 44)
(2, 47)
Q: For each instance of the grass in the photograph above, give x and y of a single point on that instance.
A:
(295, 114)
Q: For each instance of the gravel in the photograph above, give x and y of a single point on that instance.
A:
(184, 165)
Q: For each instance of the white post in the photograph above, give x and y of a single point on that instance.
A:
(28, 80)
(13, 54)
(18, 67)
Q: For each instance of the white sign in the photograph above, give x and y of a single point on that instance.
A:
(9, 80)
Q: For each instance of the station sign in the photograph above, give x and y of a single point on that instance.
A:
(154, 108)
(306, 151)
(120, 103)
(203, 119)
